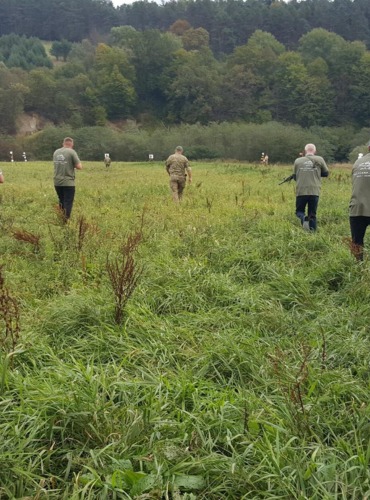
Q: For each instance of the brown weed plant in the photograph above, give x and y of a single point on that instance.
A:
(356, 250)
(27, 237)
(83, 227)
(9, 316)
(296, 392)
(293, 385)
(124, 273)
(61, 216)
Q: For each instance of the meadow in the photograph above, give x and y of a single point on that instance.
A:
(240, 366)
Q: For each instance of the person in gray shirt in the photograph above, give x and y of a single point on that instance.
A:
(65, 161)
(359, 205)
(308, 170)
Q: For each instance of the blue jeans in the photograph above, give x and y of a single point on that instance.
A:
(300, 209)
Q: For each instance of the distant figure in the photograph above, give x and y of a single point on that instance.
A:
(266, 159)
(66, 161)
(107, 160)
(151, 157)
(360, 155)
(11, 156)
(177, 166)
(262, 160)
(2, 179)
(308, 171)
(359, 205)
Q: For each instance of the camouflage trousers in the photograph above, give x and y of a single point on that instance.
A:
(177, 185)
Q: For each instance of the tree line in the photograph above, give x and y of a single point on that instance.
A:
(173, 77)
(229, 23)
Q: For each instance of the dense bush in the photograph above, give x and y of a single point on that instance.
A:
(243, 142)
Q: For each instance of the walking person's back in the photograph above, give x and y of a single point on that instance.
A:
(177, 166)
(66, 161)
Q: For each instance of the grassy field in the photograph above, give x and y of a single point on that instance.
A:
(240, 369)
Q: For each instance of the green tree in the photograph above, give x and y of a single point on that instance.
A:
(342, 58)
(117, 95)
(259, 54)
(194, 39)
(61, 49)
(152, 56)
(83, 53)
(23, 52)
(41, 97)
(249, 77)
(303, 94)
(124, 36)
(290, 86)
(193, 94)
(360, 91)
(11, 106)
(107, 58)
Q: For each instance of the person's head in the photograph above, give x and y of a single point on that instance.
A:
(179, 150)
(68, 142)
(310, 149)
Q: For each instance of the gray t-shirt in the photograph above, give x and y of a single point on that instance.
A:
(65, 160)
(307, 170)
(360, 200)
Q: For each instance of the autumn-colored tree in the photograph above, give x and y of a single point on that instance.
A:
(179, 27)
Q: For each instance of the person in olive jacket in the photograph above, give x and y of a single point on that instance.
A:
(359, 205)
(308, 170)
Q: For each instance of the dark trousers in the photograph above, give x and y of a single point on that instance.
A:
(300, 209)
(358, 226)
(66, 195)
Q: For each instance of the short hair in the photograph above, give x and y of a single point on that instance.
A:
(179, 148)
(68, 139)
(310, 148)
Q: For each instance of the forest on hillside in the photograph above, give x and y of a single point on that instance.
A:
(229, 23)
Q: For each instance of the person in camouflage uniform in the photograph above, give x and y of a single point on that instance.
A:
(177, 166)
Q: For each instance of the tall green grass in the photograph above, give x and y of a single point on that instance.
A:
(241, 367)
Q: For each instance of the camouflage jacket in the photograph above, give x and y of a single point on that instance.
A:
(177, 165)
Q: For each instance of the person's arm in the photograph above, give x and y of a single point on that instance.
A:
(295, 171)
(188, 169)
(76, 161)
(167, 166)
(1, 178)
(324, 169)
